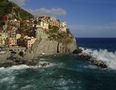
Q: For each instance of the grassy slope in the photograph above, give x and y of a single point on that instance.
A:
(6, 8)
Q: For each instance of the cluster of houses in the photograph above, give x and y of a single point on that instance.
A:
(15, 32)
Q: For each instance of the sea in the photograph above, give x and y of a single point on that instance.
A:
(66, 72)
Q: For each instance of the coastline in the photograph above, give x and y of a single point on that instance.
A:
(32, 62)
(11, 58)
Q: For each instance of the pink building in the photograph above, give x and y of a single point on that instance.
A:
(54, 22)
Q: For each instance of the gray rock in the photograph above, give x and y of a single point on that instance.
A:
(52, 47)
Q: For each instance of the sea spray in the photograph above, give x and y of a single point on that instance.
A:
(41, 64)
(102, 55)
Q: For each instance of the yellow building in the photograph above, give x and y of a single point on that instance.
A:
(44, 24)
(3, 37)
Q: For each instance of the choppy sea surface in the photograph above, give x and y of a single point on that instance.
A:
(66, 72)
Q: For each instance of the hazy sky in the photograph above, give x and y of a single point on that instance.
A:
(86, 18)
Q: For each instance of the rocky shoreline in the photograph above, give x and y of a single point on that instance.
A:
(79, 53)
(18, 61)
(23, 40)
(32, 62)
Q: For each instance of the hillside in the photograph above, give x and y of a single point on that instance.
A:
(24, 38)
(7, 8)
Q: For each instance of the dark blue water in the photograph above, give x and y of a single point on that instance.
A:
(62, 73)
(98, 43)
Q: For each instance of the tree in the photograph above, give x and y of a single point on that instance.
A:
(53, 29)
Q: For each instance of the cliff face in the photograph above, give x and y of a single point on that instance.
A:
(50, 44)
(27, 38)
(51, 47)
(53, 42)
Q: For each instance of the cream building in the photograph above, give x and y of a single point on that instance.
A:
(12, 42)
(30, 42)
(3, 37)
(18, 36)
(63, 26)
(44, 24)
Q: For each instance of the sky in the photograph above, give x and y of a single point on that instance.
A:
(85, 18)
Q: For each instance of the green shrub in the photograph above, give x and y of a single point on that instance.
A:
(6, 7)
(53, 29)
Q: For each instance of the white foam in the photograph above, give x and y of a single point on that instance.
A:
(104, 55)
(11, 70)
(8, 79)
(90, 66)
(18, 67)
(27, 87)
(22, 67)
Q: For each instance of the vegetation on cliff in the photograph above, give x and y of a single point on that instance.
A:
(26, 37)
(18, 29)
(7, 7)
(61, 37)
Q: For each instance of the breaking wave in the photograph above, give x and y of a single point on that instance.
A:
(42, 64)
(90, 67)
(104, 55)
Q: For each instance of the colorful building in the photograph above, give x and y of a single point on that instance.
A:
(12, 42)
(4, 18)
(30, 42)
(43, 23)
(3, 37)
(54, 22)
(63, 26)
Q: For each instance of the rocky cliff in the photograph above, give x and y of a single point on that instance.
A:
(43, 46)
(52, 36)
(52, 45)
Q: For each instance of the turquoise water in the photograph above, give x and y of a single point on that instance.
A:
(62, 73)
